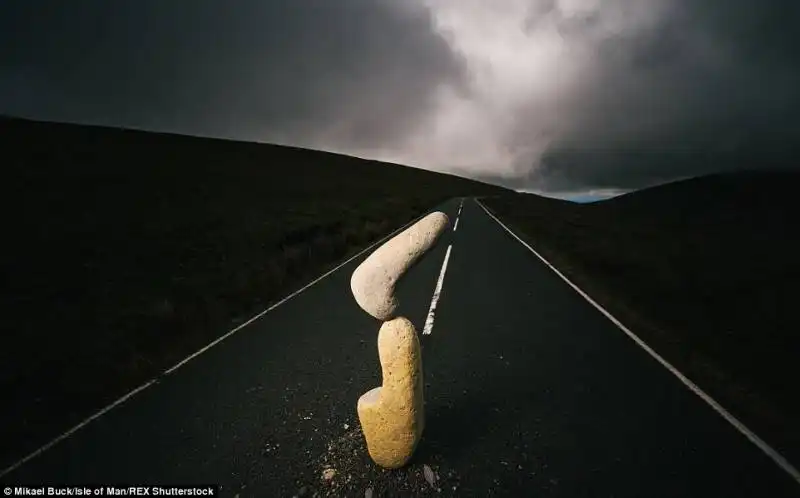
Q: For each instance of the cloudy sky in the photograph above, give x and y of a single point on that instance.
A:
(546, 95)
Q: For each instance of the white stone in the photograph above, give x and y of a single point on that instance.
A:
(374, 281)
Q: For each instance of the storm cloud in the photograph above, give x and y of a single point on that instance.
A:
(619, 94)
(551, 95)
(349, 75)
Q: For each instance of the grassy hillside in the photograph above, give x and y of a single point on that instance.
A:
(705, 270)
(129, 250)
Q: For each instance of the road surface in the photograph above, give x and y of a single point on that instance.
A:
(530, 391)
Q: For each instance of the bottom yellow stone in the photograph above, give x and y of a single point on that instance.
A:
(392, 416)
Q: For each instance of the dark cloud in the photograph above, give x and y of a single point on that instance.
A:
(712, 86)
(554, 95)
(351, 73)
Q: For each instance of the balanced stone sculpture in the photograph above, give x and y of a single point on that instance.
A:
(392, 416)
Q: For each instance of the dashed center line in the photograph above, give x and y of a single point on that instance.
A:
(436, 293)
(70, 432)
(455, 227)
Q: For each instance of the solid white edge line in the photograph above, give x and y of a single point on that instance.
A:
(186, 360)
(782, 462)
(76, 428)
(436, 293)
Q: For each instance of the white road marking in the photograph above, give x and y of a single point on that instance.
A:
(78, 427)
(436, 293)
(455, 227)
(782, 462)
(186, 360)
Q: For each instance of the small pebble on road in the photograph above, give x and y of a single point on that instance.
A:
(429, 476)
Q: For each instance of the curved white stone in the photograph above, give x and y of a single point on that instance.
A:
(374, 280)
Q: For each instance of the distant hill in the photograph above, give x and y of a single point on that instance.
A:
(709, 195)
(127, 250)
(704, 269)
(55, 147)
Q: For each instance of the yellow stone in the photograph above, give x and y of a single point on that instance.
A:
(392, 416)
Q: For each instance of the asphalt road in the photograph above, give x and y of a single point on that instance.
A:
(530, 391)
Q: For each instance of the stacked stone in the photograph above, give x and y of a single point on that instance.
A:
(392, 416)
